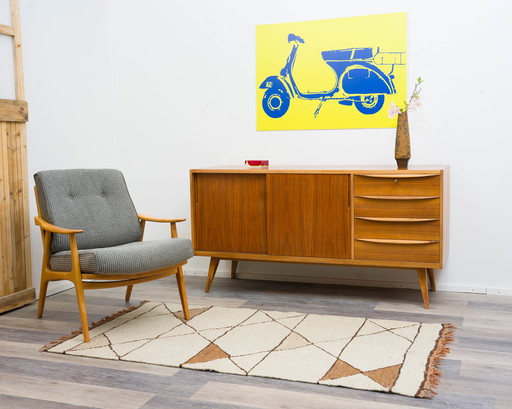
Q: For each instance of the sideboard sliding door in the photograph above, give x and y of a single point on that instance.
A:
(230, 213)
(309, 215)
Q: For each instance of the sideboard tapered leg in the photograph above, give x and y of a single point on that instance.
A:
(431, 279)
(234, 265)
(214, 263)
(422, 276)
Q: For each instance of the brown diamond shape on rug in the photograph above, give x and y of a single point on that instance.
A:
(194, 312)
(340, 369)
(210, 353)
(293, 341)
(385, 376)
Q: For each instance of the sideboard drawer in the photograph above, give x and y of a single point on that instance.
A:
(420, 229)
(396, 185)
(428, 252)
(382, 207)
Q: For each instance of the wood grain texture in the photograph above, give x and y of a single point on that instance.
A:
(19, 82)
(261, 397)
(12, 110)
(475, 374)
(385, 229)
(17, 299)
(229, 213)
(320, 215)
(426, 253)
(6, 30)
(308, 215)
(95, 396)
(15, 261)
(415, 186)
(379, 207)
(372, 170)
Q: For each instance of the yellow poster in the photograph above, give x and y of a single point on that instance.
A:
(330, 74)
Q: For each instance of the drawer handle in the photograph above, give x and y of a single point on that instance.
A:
(397, 219)
(397, 176)
(389, 241)
(397, 197)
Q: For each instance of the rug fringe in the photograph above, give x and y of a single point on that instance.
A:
(436, 357)
(73, 334)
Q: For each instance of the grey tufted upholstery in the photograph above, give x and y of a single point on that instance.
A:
(94, 200)
(130, 258)
(97, 201)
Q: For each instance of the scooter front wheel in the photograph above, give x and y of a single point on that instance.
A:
(370, 104)
(275, 102)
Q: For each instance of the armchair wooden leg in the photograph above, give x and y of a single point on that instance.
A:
(234, 265)
(422, 276)
(431, 279)
(42, 297)
(128, 294)
(180, 279)
(80, 297)
(214, 263)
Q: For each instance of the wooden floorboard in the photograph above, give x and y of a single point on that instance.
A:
(477, 374)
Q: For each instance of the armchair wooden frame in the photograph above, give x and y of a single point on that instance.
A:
(84, 281)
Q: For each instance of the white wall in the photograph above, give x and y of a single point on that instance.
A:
(66, 59)
(164, 86)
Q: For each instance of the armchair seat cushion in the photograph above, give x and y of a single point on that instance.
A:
(131, 258)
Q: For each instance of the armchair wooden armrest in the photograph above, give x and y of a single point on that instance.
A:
(46, 230)
(54, 229)
(174, 231)
(158, 220)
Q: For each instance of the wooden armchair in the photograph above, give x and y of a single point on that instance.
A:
(92, 236)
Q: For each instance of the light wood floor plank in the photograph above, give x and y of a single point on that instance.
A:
(31, 351)
(28, 324)
(264, 398)
(71, 393)
(482, 357)
(17, 402)
(475, 375)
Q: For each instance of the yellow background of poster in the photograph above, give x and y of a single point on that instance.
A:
(312, 74)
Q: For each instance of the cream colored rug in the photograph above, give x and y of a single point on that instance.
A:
(360, 353)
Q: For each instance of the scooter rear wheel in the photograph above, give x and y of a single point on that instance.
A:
(370, 104)
(275, 102)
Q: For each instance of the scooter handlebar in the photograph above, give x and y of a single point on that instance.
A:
(293, 37)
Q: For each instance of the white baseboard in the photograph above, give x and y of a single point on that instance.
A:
(59, 286)
(500, 291)
(355, 282)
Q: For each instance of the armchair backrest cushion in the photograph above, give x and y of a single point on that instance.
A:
(94, 200)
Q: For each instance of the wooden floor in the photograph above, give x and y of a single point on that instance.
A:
(476, 374)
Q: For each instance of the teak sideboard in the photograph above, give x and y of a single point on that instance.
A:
(367, 216)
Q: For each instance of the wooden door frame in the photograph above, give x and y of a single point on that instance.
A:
(16, 268)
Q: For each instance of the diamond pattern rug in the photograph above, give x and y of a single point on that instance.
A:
(360, 353)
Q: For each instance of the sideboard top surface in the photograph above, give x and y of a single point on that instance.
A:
(330, 169)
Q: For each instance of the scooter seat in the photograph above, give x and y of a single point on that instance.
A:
(348, 54)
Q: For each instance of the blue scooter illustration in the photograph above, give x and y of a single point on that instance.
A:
(358, 80)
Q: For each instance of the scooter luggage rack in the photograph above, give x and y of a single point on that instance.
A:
(389, 58)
